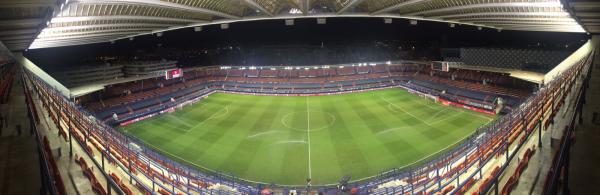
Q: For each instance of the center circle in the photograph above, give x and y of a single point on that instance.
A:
(313, 120)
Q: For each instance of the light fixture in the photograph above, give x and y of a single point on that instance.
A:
(289, 22)
(387, 20)
(225, 26)
(321, 21)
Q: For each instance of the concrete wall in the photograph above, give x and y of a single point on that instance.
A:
(42, 74)
(5, 55)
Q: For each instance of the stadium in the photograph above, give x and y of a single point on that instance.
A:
(299, 97)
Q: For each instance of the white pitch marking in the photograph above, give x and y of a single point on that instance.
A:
(179, 120)
(438, 113)
(448, 117)
(394, 129)
(291, 142)
(308, 137)
(424, 122)
(262, 133)
(214, 115)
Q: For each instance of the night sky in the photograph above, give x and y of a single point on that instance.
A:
(337, 32)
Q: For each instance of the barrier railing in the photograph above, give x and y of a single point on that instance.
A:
(560, 162)
(50, 184)
(109, 182)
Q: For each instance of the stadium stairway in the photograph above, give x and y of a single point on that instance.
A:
(19, 165)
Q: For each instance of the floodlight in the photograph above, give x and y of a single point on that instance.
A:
(289, 22)
(225, 26)
(321, 21)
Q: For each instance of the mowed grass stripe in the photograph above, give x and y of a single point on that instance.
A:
(245, 152)
(338, 153)
(230, 131)
(295, 159)
(371, 146)
(262, 138)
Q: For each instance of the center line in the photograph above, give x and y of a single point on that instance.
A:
(308, 137)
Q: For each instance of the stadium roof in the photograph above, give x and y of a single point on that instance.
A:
(587, 14)
(76, 22)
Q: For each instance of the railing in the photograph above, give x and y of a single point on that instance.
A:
(560, 162)
(33, 113)
(49, 182)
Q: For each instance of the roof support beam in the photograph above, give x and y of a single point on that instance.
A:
(39, 43)
(18, 32)
(22, 22)
(587, 14)
(255, 5)
(577, 5)
(123, 17)
(488, 5)
(562, 19)
(553, 29)
(158, 3)
(62, 44)
(16, 46)
(493, 23)
(115, 34)
(28, 3)
(351, 4)
(306, 7)
(534, 25)
(561, 28)
(103, 31)
(16, 37)
(84, 27)
(511, 14)
(17, 41)
(397, 6)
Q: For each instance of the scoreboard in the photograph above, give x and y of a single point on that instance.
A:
(171, 74)
(440, 66)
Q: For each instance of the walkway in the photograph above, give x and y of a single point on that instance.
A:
(584, 172)
(19, 165)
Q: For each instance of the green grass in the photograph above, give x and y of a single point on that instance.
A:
(268, 138)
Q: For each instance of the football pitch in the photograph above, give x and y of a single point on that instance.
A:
(285, 140)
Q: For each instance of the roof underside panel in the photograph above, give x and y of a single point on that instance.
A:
(587, 13)
(91, 21)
